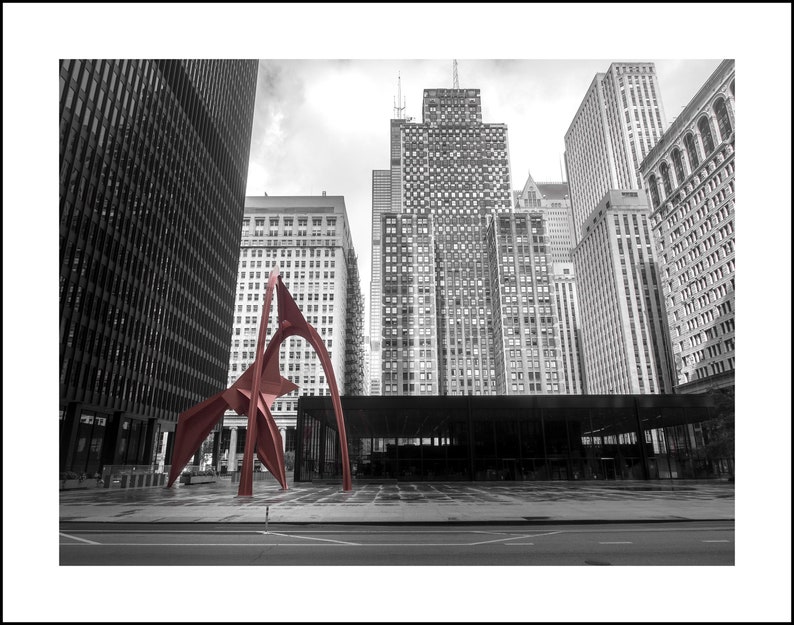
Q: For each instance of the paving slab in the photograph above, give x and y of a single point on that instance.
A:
(423, 502)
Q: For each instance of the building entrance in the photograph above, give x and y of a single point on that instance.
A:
(510, 469)
(608, 471)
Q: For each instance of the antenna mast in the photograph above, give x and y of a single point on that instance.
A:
(455, 74)
(398, 110)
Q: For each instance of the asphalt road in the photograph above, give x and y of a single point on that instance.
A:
(637, 544)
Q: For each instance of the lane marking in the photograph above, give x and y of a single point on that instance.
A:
(647, 530)
(84, 540)
(252, 531)
(248, 545)
(500, 540)
(715, 541)
(263, 545)
(616, 542)
(396, 531)
(341, 542)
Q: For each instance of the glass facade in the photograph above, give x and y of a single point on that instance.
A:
(582, 437)
(153, 165)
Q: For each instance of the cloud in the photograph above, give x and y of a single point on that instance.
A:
(323, 125)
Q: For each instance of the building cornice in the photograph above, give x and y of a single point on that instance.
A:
(720, 75)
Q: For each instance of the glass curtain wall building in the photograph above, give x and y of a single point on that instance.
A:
(564, 437)
(153, 167)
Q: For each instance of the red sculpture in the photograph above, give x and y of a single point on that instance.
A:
(253, 395)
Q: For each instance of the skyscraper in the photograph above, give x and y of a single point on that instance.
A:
(623, 330)
(410, 362)
(552, 201)
(526, 342)
(308, 238)
(452, 172)
(566, 301)
(619, 120)
(690, 176)
(153, 167)
(381, 203)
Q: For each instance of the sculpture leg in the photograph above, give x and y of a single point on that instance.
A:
(193, 426)
(319, 347)
(246, 487)
(269, 447)
(247, 474)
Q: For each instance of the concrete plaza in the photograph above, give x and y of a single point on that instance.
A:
(419, 502)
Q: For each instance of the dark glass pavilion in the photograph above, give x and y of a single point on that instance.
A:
(568, 437)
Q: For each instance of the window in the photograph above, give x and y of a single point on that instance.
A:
(691, 150)
(723, 121)
(654, 191)
(705, 135)
(678, 166)
(665, 171)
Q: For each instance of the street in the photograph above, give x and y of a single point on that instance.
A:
(639, 544)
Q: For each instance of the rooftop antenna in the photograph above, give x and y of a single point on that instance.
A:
(398, 110)
(455, 74)
(562, 179)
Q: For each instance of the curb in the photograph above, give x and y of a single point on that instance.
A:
(523, 521)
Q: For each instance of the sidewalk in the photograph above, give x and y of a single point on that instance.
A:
(422, 502)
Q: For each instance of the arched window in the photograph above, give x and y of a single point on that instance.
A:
(668, 188)
(691, 151)
(654, 191)
(723, 121)
(733, 88)
(705, 135)
(678, 166)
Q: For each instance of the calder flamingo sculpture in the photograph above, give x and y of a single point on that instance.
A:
(253, 395)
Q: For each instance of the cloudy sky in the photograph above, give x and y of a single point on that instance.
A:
(323, 125)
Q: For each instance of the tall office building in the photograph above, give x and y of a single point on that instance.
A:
(552, 201)
(566, 302)
(153, 168)
(690, 176)
(410, 361)
(618, 122)
(381, 203)
(526, 342)
(308, 238)
(454, 168)
(624, 343)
